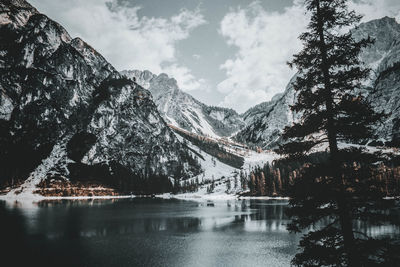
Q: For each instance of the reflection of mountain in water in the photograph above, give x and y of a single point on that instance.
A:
(152, 232)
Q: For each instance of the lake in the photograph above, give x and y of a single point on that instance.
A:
(147, 232)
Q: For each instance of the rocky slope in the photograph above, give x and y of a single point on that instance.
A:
(384, 87)
(65, 111)
(184, 111)
(266, 121)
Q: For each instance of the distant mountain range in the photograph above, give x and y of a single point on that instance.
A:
(262, 125)
(266, 121)
(182, 110)
(66, 112)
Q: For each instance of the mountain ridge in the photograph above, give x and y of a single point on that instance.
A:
(182, 110)
(55, 89)
(264, 127)
(69, 114)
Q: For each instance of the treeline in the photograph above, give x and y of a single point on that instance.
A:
(274, 179)
(212, 148)
(120, 178)
(234, 184)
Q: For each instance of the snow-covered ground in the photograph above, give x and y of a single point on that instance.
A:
(214, 171)
(226, 179)
(26, 190)
(200, 123)
(221, 173)
(253, 159)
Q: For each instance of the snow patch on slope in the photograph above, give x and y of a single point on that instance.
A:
(184, 111)
(26, 190)
(221, 174)
(201, 125)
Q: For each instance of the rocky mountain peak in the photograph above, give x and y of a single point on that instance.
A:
(386, 34)
(266, 121)
(21, 4)
(15, 13)
(66, 112)
(382, 23)
(184, 111)
(162, 83)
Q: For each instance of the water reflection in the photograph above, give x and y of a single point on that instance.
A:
(150, 232)
(90, 218)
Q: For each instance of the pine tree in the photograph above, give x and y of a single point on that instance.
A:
(243, 180)
(212, 186)
(332, 195)
(262, 184)
(279, 180)
(236, 182)
(228, 186)
(252, 183)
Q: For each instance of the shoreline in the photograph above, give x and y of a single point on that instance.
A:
(28, 197)
(38, 198)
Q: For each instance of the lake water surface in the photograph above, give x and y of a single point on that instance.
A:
(146, 232)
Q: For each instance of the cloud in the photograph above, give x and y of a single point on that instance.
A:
(265, 42)
(196, 56)
(185, 79)
(124, 38)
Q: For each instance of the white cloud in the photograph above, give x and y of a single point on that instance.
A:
(126, 39)
(196, 56)
(185, 79)
(265, 42)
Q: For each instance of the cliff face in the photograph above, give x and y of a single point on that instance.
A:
(184, 111)
(64, 107)
(384, 88)
(265, 122)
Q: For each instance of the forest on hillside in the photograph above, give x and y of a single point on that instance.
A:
(275, 179)
(212, 148)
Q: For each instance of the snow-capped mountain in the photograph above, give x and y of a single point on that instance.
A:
(184, 111)
(64, 108)
(266, 121)
(66, 112)
(384, 91)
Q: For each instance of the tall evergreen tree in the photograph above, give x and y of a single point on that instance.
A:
(331, 196)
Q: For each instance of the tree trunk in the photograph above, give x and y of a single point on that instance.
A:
(343, 207)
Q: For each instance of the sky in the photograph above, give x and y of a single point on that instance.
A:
(229, 53)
